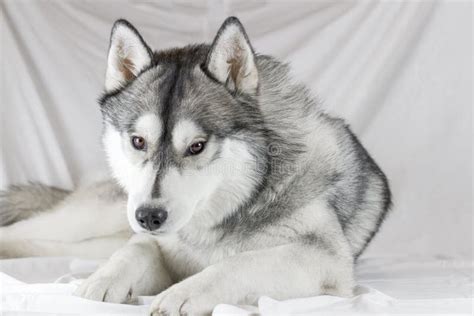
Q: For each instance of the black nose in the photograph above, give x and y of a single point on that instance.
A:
(151, 218)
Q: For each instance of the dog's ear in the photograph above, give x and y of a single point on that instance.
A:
(231, 59)
(128, 55)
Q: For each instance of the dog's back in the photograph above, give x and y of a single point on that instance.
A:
(323, 153)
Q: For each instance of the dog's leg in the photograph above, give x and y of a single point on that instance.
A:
(136, 269)
(289, 271)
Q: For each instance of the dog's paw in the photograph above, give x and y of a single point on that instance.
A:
(106, 287)
(179, 300)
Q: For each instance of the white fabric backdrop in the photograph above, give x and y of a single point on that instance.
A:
(400, 73)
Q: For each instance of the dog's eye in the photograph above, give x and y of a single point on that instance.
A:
(196, 148)
(138, 143)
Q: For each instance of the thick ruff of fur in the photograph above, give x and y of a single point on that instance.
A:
(280, 201)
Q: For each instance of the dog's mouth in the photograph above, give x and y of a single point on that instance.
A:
(156, 233)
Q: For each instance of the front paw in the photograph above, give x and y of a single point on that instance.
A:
(181, 300)
(106, 286)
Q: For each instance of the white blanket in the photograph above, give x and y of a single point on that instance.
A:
(388, 285)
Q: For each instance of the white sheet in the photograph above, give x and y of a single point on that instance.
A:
(400, 72)
(388, 285)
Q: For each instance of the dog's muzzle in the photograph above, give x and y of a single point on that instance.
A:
(151, 218)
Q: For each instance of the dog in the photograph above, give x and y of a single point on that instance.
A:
(234, 180)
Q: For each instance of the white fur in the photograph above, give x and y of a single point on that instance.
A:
(184, 133)
(237, 275)
(89, 222)
(67, 220)
(98, 247)
(127, 167)
(149, 126)
(136, 269)
(211, 192)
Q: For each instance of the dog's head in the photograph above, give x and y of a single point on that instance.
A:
(182, 129)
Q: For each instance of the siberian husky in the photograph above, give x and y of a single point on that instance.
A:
(234, 181)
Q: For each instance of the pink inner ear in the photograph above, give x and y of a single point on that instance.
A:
(125, 68)
(125, 64)
(236, 63)
(231, 59)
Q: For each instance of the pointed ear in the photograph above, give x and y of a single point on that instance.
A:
(231, 59)
(128, 55)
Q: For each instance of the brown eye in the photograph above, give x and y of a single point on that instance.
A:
(196, 148)
(138, 143)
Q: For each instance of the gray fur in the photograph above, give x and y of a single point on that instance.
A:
(279, 115)
(20, 202)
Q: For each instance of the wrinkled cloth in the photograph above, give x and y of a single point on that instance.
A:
(388, 285)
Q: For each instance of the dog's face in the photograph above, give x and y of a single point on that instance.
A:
(182, 129)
